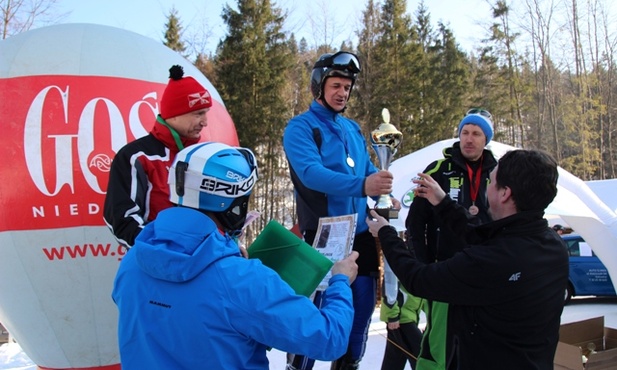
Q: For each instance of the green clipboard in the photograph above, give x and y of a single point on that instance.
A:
(296, 262)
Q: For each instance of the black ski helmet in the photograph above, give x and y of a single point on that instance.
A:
(340, 64)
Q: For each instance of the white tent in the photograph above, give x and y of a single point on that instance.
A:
(576, 204)
(605, 190)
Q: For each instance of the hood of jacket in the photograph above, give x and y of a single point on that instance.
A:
(179, 244)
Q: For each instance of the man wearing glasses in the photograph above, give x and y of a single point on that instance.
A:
(463, 174)
(333, 174)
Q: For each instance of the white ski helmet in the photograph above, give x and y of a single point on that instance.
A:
(217, 178)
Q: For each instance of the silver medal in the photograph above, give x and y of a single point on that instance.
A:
(350, 162)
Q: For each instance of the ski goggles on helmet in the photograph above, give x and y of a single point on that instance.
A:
(482, 112)
(342, 60)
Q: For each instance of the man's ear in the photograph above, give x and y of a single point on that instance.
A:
(505, 194)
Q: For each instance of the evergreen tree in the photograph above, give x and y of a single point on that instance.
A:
(490, 75)
(504, 39)
(420, 74)
(298, 94)
(396, 84)
(442, 71)
(173, 32)
(365, 113)
(252, 67)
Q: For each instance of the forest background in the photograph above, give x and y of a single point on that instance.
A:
(545, 70)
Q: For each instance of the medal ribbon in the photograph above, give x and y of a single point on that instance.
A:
(174, 133)
(474, 186)
(332, 129)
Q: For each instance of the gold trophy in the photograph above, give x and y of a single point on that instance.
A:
(385, 140)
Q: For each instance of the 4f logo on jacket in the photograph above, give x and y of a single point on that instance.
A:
(515, 276)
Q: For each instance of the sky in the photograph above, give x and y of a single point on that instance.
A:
(148, 18)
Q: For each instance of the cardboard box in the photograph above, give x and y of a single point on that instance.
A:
(577, 339)
(4, 334)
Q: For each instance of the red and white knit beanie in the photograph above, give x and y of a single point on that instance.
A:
(183, 95)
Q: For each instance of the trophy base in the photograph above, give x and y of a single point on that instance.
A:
(387, 213)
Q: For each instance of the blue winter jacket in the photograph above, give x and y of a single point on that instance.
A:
(325, 184)
(187, 299)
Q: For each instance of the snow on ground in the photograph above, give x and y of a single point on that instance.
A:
(12, 357)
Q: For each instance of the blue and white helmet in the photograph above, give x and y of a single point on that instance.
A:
(217, 178)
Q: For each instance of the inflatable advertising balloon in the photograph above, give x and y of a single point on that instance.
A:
(70, 97)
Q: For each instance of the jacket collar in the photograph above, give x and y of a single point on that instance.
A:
(322, 112)
(521, 223)
(454, 152)
(163, 134)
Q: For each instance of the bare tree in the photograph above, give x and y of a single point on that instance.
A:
(21, 15)
(540, 32)
(323, 23)
(200, 39)
(610, 100)
(200, 33)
